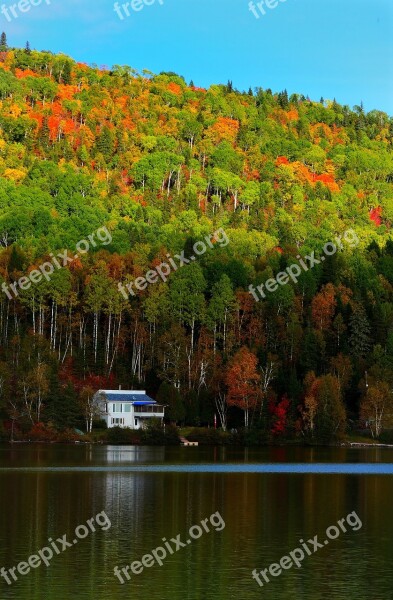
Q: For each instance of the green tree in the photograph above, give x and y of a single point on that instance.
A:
(170, 396)
(66, 75)
(105, 143)
(187, 296)
(220, 307)
(359, 338)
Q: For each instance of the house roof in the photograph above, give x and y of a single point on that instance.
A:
(136, 397)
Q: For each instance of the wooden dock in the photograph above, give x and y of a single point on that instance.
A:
(185, 442)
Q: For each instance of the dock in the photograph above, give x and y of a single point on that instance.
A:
(185, 442)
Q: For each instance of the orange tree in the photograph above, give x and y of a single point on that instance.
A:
(243, 381)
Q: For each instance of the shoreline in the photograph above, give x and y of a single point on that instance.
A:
(346, 444)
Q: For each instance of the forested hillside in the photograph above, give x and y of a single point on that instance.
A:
(162, 164)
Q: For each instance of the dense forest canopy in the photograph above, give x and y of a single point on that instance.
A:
(161, 165)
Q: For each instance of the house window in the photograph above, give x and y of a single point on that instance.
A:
(136, 422)
(117, 408)
(127, 408)
(117, 421)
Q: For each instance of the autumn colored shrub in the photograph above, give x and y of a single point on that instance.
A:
(42, 433)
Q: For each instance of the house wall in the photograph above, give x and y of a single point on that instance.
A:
(120, 414)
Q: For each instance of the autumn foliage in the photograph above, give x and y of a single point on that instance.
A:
(163, 164)
(243, 382)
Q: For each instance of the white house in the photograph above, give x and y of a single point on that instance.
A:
(128, 408)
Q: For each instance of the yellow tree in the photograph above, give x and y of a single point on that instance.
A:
(377, 407)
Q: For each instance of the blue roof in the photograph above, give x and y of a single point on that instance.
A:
(142, 403)
(137, 399)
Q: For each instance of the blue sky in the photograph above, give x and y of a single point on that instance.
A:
(329, 48)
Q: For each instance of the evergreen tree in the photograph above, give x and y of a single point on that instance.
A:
(283, 100)
(192, 408)
(359, 339)
(169, 395)
(294, 99)
(3, 42)
(309, 358)
(105, 143)
(27, 48)
(44, 135)
(62, 407)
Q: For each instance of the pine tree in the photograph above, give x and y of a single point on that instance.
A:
(44, 135)
(27, 48)
(105, 143)
(283, 100)
(62, 407)
(3, 42)
(169, 395)
(359, 340)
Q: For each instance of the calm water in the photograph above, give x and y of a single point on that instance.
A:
(269, 500)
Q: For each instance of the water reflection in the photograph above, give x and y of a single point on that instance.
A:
(266, 515)
(132, 454)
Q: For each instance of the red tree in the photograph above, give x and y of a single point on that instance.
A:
(279, 414)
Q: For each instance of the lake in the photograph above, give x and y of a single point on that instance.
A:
(217, 513)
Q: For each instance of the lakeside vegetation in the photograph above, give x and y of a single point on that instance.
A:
(162, 164)
(155, 435)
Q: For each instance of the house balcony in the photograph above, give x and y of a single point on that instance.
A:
(156, 410)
